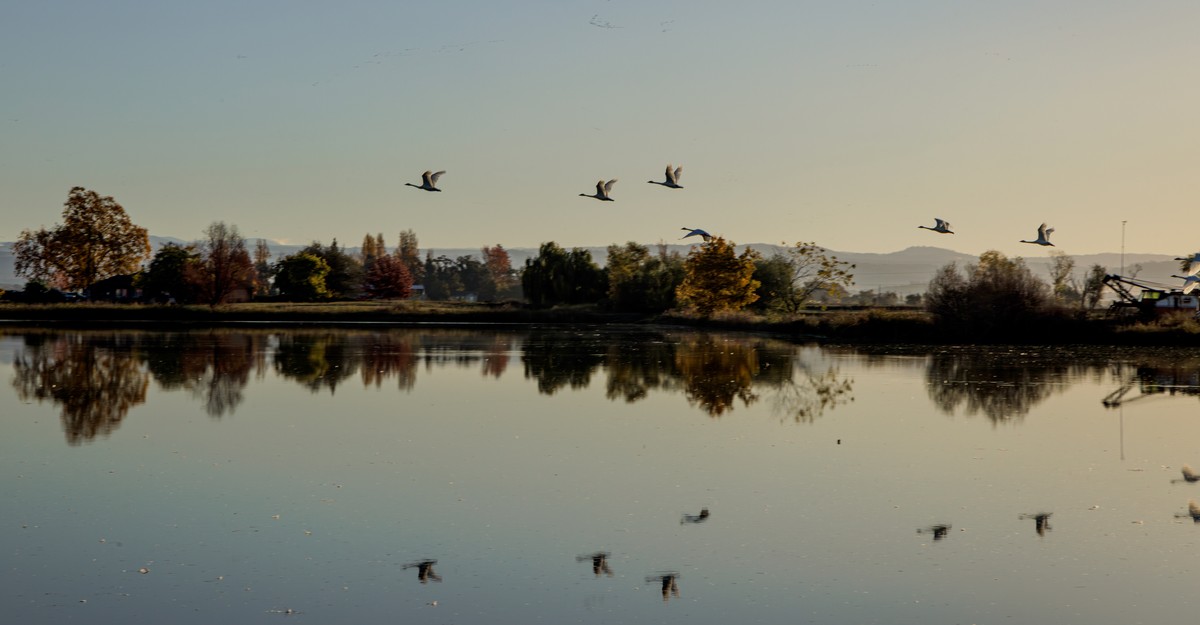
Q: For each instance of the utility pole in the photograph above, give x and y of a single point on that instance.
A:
(1123, 247)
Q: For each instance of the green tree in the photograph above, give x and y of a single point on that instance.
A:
(640, 281)
(474, 278)
(556, 276)
(716, 278)
(166, 277)
(224, 266)
(302, 277)
(775, 288)
(345, 272)
(96, 241)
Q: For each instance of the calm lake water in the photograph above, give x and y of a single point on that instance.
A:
(474, 476)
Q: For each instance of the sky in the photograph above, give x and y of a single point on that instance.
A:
(845, 123)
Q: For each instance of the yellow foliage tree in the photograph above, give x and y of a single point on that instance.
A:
(716, 278)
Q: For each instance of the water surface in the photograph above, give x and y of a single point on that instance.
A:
(460, 476)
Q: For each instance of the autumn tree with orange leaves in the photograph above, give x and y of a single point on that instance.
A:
(96, 241)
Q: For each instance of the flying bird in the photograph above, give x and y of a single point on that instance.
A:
(1193, 266)
(672, 178)
(942, 226)
(428, 181)
(602, 190)
(1043, 236)
(1189, 282)
(695, 518)
(696, 232)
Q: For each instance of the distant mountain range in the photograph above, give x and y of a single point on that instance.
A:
(904, 272)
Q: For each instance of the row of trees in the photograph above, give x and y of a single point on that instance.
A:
(712, 277)
(1000, 295)
(98, 241)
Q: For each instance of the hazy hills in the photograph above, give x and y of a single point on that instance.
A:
(906, 271)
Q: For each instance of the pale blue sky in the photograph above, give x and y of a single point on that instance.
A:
(848, 123)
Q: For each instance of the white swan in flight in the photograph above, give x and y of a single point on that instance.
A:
(1189, 282)
(672, 178)
(697, 232)
(602, 190)
(1193, 264)
(941, 226)
(428, 181)
(1043, 236)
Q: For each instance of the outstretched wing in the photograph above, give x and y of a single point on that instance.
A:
(434, 178)
(678, 173)
(608, 186)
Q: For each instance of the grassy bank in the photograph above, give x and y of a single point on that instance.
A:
(857, 326)
(301, 312)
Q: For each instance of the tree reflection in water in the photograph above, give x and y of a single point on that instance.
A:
(557, 359)
(96, 379)
(318, 360)
(98, 376)
(1004, 387)
(716, 373)
(637, 367)
(214, 366)
(805, 388)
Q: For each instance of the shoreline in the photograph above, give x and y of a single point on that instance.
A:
(857, 326)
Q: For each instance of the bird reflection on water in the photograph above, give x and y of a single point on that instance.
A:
(939, 531)
(1189, 475)
(599, 562)
(695, 518)
(669, 581)
(1193, 512)
(1041, 521)
(424, 570)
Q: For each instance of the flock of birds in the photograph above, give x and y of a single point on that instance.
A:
(668, 580)
(603, 192)
(429, 181)
(942, 226)
(1041, 520)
